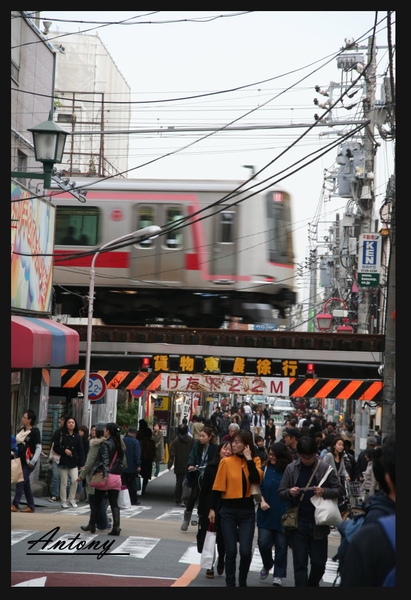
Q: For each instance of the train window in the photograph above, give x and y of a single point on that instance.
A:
(226, 227)
(279, 228)
(174, 239)
(146, 218)
(77, 226)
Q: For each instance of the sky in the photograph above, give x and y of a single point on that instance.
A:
(252, 68)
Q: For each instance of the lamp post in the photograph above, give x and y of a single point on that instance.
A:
(48, 140)
(325, 319)
(151, 231)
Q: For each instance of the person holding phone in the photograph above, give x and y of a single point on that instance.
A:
(232, 488)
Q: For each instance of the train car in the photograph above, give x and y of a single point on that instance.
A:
(222, 253)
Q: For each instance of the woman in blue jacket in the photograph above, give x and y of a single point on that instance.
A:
(270, 529)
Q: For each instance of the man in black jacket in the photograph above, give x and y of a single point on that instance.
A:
(308, 541)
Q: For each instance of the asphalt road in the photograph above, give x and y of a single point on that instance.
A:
(151, 550)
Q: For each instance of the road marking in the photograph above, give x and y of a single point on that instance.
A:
(137, 547)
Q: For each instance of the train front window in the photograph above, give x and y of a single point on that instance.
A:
(146, 218)
(77, 226)
(174, 238)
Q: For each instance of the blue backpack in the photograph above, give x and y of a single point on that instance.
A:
(388, 524)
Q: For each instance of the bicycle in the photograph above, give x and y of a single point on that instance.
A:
(351, 509)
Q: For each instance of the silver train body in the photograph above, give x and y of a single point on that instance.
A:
(222, 254)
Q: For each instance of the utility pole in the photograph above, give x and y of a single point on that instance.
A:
(366, 200)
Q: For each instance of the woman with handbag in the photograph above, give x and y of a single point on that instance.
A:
(201, 454)
(204, 498)
(70, 448)
(269, 513)
(86, 474)
(110, 461)
(232, 487)
(300, 482)
(29, 449)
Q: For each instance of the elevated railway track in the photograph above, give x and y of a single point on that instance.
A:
(317, 365)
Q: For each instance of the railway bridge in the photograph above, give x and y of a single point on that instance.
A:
(305, 364)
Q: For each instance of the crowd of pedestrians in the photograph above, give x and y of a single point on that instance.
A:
(287, 458)
(218, 462)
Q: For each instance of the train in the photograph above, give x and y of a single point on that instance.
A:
(223, 251)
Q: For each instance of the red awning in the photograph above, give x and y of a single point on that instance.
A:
(37, 343)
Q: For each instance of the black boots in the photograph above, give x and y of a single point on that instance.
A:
(89, 527)
(116, 522)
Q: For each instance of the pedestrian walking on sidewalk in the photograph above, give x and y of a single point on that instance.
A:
(232, 487)
(202, 453)
(70, 447)
(29, 448)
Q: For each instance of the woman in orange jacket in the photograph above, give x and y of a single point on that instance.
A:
(232, 486)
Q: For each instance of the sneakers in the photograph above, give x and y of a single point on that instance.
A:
(53, 499)
(277, 581)
(73, 503)
(263, 574)
(64, 505)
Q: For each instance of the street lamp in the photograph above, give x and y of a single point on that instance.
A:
(325, 320)
(149, 232)
(48, 140)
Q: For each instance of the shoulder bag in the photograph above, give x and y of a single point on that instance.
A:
(53, 456)
(326, 509)
(113, 482)
(290, 517)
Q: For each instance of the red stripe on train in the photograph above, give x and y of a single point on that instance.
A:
(108, 260)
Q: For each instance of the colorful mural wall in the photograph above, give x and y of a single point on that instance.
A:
(33, 223)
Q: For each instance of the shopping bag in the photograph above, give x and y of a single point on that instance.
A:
(209, 549)
(123, 500)
(138, 483)
(16, 471)
(326, 511)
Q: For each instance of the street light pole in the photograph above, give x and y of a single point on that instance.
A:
(151, 231)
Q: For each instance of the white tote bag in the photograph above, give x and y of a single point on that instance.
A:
(209, 550)
(123, 500)
(326, 510)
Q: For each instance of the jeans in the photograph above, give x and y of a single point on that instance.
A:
(305, 547)
(267, 538)
(24, 486)
(237, 526)
(101, 518)
(55, 482)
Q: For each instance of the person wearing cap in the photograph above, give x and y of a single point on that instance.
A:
(291, 435)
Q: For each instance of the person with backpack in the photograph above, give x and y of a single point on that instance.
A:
(368, 557)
